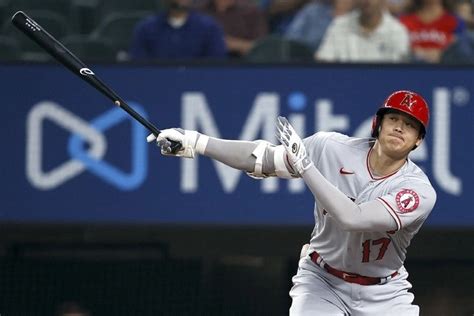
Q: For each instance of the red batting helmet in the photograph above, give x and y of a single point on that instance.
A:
(408, 102)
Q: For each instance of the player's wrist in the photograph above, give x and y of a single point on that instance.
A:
(302, 164)
(201, 143)
(306, 163)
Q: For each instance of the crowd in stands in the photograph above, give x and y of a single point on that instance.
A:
(381, 31)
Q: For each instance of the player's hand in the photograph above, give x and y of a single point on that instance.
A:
(295, 149)
(191, 142)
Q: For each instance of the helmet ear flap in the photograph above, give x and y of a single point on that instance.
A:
(375, 125)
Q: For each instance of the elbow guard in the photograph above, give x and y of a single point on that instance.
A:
(274, 159)
(259, 153)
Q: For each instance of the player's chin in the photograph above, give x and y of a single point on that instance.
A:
(398, 149)
(394, 144)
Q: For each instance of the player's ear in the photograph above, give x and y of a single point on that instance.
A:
(419, 141)
(421, 135)
(379, 127)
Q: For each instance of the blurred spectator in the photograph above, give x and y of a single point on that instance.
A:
(71, 309)
(243, 23)
(460, 52)
(465, 10)
(432, 29)
(311, 22)
(280, 13)
(398, 7)
(367, 34)
(178, 33)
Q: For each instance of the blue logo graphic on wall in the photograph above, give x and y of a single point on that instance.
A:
(92, 159)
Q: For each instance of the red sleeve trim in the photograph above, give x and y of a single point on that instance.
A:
(392, 212)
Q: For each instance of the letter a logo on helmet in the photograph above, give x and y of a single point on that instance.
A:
(405, 101)
(408, 101)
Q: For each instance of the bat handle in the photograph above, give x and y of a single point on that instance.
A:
(175, 146)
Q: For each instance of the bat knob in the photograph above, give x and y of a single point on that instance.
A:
(150, 138)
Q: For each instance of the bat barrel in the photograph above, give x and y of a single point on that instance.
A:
(35, 32)
(41, 37)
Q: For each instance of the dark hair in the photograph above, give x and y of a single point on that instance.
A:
(418, 4)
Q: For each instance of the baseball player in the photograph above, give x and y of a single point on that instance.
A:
(371, 199)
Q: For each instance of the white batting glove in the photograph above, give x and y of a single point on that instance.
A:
(191, 142)
(295, 149)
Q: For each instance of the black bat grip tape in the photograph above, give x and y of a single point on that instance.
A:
(175, 146)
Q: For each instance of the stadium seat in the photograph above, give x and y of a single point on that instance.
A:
(4, 9)
(52, 22)
(9, 49)
(108, 7)
(60, 7)
(274, 48)
(85, 15)
(118, 29)
(90, 49)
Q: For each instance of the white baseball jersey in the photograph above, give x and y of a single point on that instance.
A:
(407, 195)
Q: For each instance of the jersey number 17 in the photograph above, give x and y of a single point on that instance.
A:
(367, 245)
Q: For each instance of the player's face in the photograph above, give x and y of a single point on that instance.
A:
(369, 7)
(179, 4)
(399, 133)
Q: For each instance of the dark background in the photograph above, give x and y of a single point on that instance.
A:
(197, 270)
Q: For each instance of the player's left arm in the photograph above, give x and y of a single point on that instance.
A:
(368, 216)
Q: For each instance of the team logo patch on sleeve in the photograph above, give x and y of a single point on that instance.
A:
(407, 200)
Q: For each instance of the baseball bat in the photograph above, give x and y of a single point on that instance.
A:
(51, 45)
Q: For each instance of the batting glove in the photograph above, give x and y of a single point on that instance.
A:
(191, 142)
(295, 149)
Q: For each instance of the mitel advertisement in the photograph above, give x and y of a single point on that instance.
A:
(71, 155)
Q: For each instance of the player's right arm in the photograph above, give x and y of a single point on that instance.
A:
(258, 159)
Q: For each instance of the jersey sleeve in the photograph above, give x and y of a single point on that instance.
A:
(409, 202)
(315, 144)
